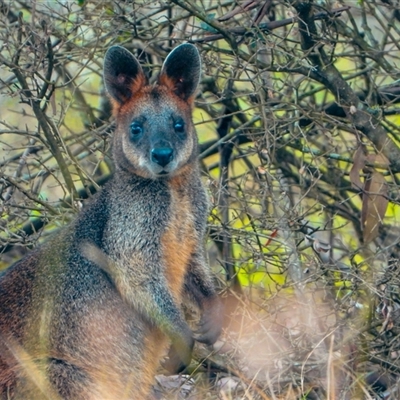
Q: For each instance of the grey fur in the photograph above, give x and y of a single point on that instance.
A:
(88, 314)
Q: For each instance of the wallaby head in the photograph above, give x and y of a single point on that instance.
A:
(155, 136)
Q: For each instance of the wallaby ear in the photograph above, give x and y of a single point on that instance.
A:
(181, 71)
(123, 75)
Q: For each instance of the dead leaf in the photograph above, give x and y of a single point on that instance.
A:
(264, 153)
(380, 160)
(261, 170)
(321, 247)
(359, 164)
(374, 205)
(273, 234)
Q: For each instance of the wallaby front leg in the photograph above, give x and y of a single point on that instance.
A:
(200, 287)
(151, 298)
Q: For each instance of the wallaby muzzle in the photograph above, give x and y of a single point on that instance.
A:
(162, 155)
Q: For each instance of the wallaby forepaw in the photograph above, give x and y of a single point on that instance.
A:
(173, 363)
(179, 356)
(210, 325)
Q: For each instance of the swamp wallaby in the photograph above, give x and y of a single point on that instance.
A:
(88, 315)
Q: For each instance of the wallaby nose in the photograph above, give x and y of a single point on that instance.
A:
(162, 155)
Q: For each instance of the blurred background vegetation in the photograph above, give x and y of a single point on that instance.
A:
(298, 121)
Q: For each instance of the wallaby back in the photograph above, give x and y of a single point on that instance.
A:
(89, 314)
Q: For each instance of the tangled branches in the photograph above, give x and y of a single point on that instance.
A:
(298, 122)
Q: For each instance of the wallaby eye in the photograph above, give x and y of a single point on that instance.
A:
(136, 129)
(179, 126)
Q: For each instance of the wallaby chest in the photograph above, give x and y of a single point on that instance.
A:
(159, 221)
(180, 238)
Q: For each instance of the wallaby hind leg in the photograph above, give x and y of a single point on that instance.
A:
(69, 381)
(7, 380)
(57, 380)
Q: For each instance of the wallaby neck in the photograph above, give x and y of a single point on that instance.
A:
(187, 176)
